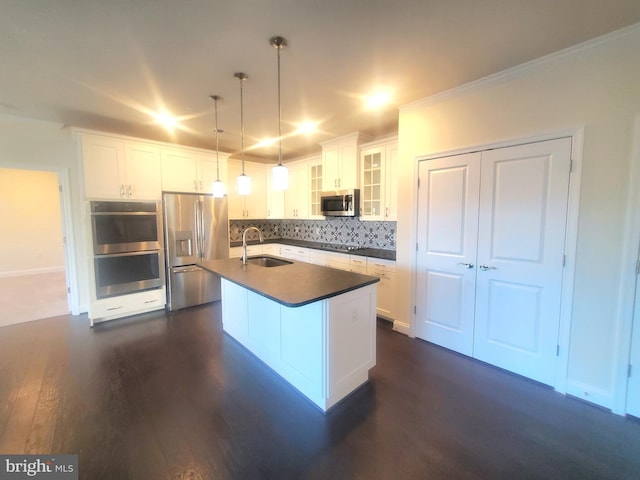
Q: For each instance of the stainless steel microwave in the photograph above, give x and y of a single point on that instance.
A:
(340, 203)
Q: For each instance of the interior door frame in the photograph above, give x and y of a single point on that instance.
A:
(67, 227)
(571, 234)
(629, 278)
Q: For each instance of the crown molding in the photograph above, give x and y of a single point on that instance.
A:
(520, 69)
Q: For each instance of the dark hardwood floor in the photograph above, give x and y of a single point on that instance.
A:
(168, 396)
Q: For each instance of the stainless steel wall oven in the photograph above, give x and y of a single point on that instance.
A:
(127, 247)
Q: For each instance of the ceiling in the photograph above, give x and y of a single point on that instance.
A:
(105, 65)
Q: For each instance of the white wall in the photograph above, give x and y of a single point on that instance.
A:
(30, 144)
(597, 86)
(31, 232)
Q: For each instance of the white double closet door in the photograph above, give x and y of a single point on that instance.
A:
(491, 235)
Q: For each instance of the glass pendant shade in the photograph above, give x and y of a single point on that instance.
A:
(244, 184)
(217, 189)
(280, 178)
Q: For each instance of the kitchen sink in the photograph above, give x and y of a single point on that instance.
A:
(265, 261)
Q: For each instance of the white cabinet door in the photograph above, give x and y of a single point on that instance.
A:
(103, 162)
(143, 171)
(385, 271)
(297, 195)
(209, 169)
(315, 188)
(179, 170)
(372, 185)
(118, 168)
(378, 182)
(249, 206)
(447, 247)
(275, 199)
(391, 182)
(340, 163)
(491, 248)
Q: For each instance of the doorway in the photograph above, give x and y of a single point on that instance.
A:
(491, 250)
(33, 273)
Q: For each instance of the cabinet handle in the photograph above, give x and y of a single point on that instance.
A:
(386, 211)
(122, 190)
(484, 268)
(468, 265)
(195, 185)
(114, 308)
(129, 194)
(200, 182)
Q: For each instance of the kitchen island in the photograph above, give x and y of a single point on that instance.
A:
(315, 326)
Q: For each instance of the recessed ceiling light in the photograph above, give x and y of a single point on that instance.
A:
(379, 99)
(165, 119)
(307, 127)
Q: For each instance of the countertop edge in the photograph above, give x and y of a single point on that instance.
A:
(305, 283)
(297, 304)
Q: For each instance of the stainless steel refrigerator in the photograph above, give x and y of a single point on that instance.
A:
(196, 229)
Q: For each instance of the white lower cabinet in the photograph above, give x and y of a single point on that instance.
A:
(358, 264)
(271, 249)
(236, 252)
(300, 254)
(385, 270)
(324, 349)
(125, 305)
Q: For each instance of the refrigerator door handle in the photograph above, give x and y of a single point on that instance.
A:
(196, 208)
(187, 269)
(201, 228)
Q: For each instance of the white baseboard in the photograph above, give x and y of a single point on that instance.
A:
(403, 328)
(31, 271)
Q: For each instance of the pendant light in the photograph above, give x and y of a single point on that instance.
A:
(244, 181)
(280, 172)
(217, 187)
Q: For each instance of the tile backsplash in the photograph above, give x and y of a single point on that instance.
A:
(348, 231)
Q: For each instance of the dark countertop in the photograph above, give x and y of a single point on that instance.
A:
(291, 285)
(328, 247)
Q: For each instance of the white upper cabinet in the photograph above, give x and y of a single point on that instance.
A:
(254, 205)
(296, 197)
(378, 181)
(117, 168)
(275, 198)
(340, 162)
(187, 170)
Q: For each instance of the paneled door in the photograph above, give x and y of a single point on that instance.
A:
(633, 388)
(521, 235)
(447, 250)
(516, 273)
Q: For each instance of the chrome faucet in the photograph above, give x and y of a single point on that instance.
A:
(244, 242)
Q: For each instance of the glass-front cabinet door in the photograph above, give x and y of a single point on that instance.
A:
(371, 193)
(315, 182)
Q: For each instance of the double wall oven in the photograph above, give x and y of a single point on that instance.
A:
(127, 247)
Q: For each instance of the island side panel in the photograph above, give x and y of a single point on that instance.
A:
(234, 310)
(352, 341)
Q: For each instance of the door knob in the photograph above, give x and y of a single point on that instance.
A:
(466, 265)
(484, 268)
